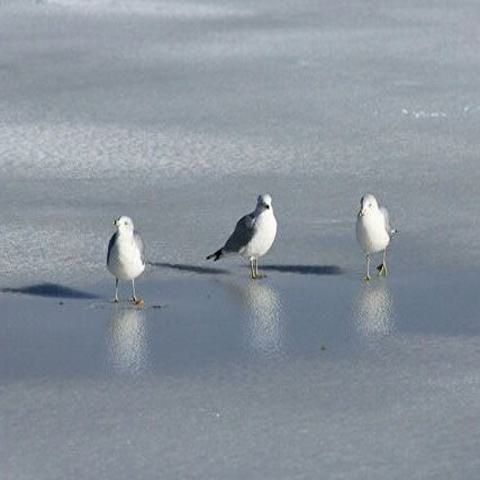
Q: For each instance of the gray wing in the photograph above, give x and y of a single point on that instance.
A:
(140, 245)
(241, 236)
(111, 243)
(386, 218)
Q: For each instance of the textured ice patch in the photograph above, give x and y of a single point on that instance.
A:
(49, 250)
(164, 8)
(79, 151)
(417, 114)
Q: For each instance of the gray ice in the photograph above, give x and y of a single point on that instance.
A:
(161, 108)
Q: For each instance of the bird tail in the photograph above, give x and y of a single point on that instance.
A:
(217, 255)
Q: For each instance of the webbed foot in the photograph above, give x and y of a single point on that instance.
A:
(382, 270)
(138, 302)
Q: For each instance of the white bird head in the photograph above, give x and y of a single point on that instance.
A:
(368, 205)
(124, 224)
(264, 202)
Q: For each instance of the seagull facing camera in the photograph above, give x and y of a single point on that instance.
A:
(126, 255)
(373, 231)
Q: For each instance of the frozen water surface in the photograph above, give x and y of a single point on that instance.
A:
(178, 113)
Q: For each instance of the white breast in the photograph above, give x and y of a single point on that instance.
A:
(125, 261)
(371, 233)
(265, 232)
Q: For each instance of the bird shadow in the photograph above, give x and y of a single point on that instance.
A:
(52, 290)
(304, 269)
(300, 269)
(182, 267)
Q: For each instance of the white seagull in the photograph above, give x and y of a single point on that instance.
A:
(126, 254)
(373, 231)
(253, 235)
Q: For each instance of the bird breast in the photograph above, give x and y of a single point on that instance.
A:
(265, 232)
(371, 233)
(125, 260)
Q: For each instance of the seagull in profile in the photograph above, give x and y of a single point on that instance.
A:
(253, 236)
(373, 231)
(126, 255)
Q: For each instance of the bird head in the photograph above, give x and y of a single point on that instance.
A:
(124, 224)
(264, 202)
(368, 204)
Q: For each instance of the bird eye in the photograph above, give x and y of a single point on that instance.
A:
(370, 205)
(126, 223)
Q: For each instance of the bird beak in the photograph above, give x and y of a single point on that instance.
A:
(115, 222)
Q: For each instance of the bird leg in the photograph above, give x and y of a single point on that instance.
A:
(257, 273)
(382, 268)
(137, 301)
(367, 259)
(116, 291)
(252, 268)
(133, 289)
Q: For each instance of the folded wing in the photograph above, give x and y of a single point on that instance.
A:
(111, 243)
(140, 245)
(386, 219)
(242, 235)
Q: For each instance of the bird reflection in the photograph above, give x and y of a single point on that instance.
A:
(264, 319)
(263, 306)
(128, 341)
(374, 311)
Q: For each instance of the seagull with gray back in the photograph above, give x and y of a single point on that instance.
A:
(373, 231)
(253, 236)
(126, 255)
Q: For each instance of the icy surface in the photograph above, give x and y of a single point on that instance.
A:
(178, 113)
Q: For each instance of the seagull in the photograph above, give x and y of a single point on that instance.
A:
(126, 255)
(253, 235)
(373, 231)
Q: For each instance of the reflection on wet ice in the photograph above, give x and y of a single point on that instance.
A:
(374, 311)
(264, 317)
(127, 341)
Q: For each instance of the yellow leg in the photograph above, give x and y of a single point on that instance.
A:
(367, 274)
